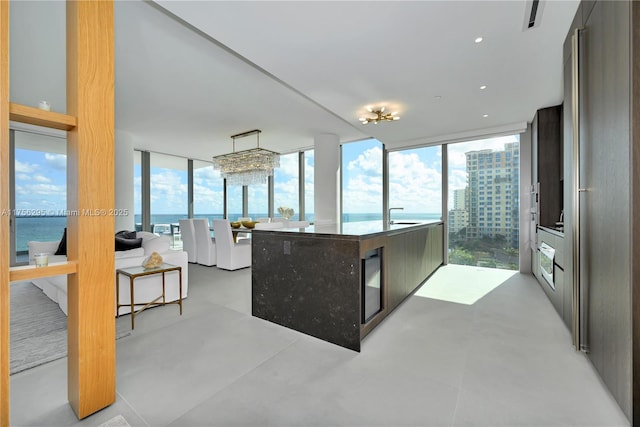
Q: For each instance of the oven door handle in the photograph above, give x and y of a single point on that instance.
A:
(548, 251)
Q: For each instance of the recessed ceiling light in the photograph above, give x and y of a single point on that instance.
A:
(438, 97)
(483, 87)
(478, 39)
(485, 115)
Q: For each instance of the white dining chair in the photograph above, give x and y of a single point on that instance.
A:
(188, 239)
(230, 255)
(205, 244)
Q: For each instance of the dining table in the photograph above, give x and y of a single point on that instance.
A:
(235, 231)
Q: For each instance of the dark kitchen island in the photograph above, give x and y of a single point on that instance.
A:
(338, 282)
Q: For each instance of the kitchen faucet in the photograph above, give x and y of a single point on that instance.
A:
(389, 217)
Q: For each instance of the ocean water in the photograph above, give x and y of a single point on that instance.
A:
(50, 228)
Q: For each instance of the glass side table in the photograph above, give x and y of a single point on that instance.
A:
(139, 271)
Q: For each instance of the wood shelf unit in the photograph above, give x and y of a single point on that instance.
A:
(35, 116)
(90, 125)
(28, 272)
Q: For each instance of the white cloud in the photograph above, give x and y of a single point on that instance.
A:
(168, 193)
(22, 167)
(207, 176)
(288, 165)
(42, 189)
(56, 161)
(413, 185)
(369, 161)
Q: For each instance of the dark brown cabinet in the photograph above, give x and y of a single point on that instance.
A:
(546, 141)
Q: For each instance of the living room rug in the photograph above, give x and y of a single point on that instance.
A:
(38, 328)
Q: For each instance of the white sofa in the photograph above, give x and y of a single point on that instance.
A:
(146, 288)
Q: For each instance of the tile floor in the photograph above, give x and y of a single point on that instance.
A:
(504, 360)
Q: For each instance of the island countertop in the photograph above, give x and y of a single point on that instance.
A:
(357, 230)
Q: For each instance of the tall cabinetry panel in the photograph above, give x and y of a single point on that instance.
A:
(568, 182)
(604, 210)
(546, 142)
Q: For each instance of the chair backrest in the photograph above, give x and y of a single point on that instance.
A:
(244, 218)
(222, 233)
(263, 220)
(202, 232)
(188, 239)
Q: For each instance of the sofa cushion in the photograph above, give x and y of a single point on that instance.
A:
(123, 244)
(160, 244)
(137, 252)
(146, 235)
(62, 247)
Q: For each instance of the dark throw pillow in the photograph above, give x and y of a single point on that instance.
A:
(123, 244)
(126, 234)
(62, 247)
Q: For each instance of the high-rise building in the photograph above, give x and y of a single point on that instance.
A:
(459, 199)
(458, 216)
(492, 193)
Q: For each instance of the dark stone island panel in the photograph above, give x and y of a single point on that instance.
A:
(337, 286)
(308, 284)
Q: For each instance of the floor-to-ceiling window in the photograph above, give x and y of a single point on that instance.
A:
(40, 184)
(362, 181)
(286, 184)
(258, 201)
(137, 189)
(483, 202)
(169, 191)
(415, 183)
(208, 191)
(309, 203)
(234, 202)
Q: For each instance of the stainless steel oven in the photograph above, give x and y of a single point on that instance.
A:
(546, 260)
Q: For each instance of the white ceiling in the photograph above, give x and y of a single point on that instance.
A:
(191, 74)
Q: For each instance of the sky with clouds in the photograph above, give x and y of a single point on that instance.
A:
(414, 181)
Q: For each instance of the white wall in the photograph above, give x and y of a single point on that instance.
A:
(327, 179)
(123, 181)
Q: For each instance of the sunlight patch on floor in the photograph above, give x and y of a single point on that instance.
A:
(463, 284)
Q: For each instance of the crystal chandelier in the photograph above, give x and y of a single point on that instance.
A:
(247, 167)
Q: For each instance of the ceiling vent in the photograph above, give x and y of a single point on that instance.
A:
(533, 13)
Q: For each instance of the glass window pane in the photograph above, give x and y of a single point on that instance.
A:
(285, 185)
(137, 189)
(234, 202)
(258, 201)
(168, 191)
(40, 190)
(415, 183)
(484, 179)
(309, 206)
(362, 181)
(208, 191)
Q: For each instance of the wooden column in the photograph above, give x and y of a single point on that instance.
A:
(90, 192)
(4, 217)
